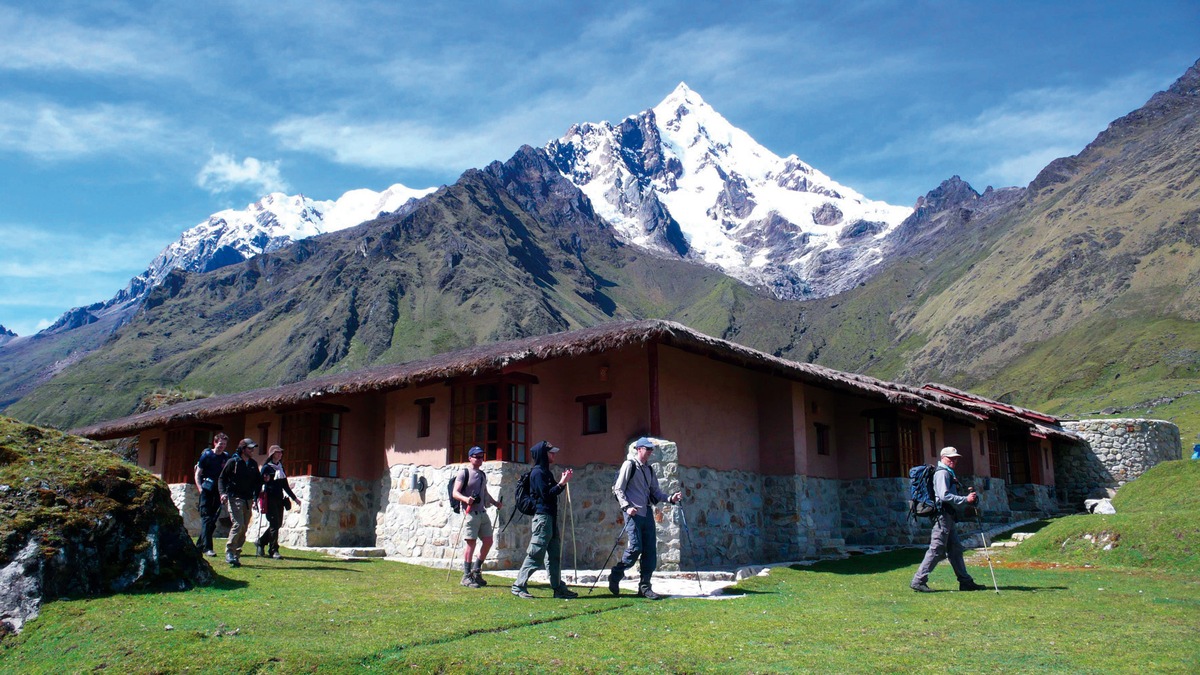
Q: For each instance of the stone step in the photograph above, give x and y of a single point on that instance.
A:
(349, 551)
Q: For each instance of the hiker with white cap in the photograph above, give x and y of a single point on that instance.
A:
(943, 540)
(637, 491)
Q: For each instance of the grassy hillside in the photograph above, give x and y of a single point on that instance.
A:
(1157, 525)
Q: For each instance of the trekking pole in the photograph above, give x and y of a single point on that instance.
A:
(610, 555)
(983, 538)
(691, 546)
(574, 548)
(462, 528)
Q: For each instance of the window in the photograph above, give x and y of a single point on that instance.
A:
(263, 437)
(153, 461)
(1018, 464)
(933, 446)
(993, 446)
(424, 406)
(493, 415)
(595, 413)
(893, 442)
(822, 438)
(312, 441)
(184, 445)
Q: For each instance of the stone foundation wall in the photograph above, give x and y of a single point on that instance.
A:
(1032, 499)
(1115, 452)
(187, 500)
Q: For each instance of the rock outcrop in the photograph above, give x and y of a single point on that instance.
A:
(77, 521)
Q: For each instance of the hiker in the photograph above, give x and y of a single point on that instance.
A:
(544, 544)
(637, 492)
(239, 484)
(208, 471)
(943, 540)
(272, 502)
(470, 488)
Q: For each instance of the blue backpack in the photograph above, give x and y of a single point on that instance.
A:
(922, 502)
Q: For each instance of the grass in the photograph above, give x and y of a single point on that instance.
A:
(314, 613)
(1157, 525)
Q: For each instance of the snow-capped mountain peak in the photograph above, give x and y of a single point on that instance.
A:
(682, 180)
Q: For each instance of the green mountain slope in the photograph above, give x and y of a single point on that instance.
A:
(1082, 294)
(510, 251)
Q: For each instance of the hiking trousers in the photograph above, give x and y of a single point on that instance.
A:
(641, 547)
(943, 543)
(210, 506)
(239, 513)
(545, 546)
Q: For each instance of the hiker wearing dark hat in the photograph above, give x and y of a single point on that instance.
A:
(240, 482)
(470, 488)
(545, 543)
(637, 492)
(943, 540)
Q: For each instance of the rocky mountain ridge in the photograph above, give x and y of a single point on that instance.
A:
(681, 180)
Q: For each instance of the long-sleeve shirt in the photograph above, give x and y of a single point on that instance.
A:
(240, 478)
(945, 489)
(636, 486)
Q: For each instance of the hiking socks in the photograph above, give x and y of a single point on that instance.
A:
(477, 573)
(468, 578)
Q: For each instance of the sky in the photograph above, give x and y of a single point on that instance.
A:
(124, 123)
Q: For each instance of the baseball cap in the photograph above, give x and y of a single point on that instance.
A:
(475, 451)
(643, 442)
(949, 452)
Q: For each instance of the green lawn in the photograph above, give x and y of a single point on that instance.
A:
(314, 613)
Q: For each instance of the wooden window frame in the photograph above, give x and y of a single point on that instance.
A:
(893, 442)
(824, 438)
(312, 438)
(424, 416)
(499, 421)
(588, 403)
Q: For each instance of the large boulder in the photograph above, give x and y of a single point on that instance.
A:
(77, 521)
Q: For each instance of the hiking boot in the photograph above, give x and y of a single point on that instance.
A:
(210, 553)
(921, 588)
(468, 580)
(521, 592)
(258, 549)
(648, 594)
(971, 586)
(275, 555)
(614, 585)
(477, 572)
(564, 593)
(233, 562)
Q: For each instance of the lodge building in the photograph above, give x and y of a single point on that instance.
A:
(778, 460)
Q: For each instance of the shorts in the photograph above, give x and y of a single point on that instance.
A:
(478, 525)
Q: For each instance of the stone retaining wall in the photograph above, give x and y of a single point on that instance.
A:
(1115, 452)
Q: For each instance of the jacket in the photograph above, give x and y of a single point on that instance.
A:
(542, 485)
(240, 477)
(945, 488)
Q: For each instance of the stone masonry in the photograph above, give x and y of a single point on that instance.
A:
(1116, 451)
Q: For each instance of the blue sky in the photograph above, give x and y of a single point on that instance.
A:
(124, 123)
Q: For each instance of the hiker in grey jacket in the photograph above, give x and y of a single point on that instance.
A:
(943, 540)
(637, 492)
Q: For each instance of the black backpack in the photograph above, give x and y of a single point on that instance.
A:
(922, 502)
(525, 503)
(455, 505)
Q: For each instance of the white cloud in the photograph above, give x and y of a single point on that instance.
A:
(50, 43)
(53, 132)
(223, 173)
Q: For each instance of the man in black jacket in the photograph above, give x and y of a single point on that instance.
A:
(545, 544)
(240, 482)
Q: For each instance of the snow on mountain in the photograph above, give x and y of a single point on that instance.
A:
(679, 179)
(233, 235)
(271, 223)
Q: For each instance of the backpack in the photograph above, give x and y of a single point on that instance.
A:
(525, 503)
(455, 505)
(922, 502)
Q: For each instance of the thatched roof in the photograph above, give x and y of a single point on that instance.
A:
(497, 357)
(1039, 422)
